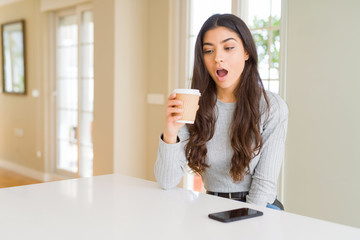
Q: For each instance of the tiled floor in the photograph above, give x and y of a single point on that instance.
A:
(12, 179)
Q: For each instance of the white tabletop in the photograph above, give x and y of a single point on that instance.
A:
(120, 207)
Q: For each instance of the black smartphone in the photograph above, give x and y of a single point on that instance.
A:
(235, 214)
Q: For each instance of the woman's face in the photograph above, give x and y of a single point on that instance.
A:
(224, 58)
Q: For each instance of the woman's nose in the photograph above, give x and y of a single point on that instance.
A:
(218, 60)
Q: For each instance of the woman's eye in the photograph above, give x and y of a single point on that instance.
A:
(208, 51)
(229, 48)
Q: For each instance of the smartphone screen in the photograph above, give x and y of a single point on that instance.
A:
(235, 214)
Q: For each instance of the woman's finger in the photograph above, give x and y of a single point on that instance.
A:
(171, 110)
(174, 102)
(172, 96)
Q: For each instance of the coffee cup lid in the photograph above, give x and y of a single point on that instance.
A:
(187, 91)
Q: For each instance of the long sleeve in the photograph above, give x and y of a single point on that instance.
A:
(264, 168)
(171, 162)
(263, 186)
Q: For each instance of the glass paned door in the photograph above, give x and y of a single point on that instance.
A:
(67, 94)
(87, 93)
(74, 93)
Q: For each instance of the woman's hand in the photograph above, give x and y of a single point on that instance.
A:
(173, 113)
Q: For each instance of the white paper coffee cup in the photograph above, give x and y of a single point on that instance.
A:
(190, 98)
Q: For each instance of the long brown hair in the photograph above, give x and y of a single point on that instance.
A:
(245, 133)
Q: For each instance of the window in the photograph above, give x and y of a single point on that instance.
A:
(264, 23)
(266, 20)
(74, 92)
(263, 19)
(199, 11)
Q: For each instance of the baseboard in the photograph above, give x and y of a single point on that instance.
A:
(29, 172)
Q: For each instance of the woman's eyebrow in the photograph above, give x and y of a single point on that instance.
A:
(228, 39)
(223, 41)
(206, 43)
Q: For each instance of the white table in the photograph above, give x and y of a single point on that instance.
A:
(120, 207)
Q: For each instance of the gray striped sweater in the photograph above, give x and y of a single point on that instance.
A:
(261, 182)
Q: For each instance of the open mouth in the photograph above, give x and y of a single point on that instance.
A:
(221, 72)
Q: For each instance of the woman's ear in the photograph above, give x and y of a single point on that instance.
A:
(247, 56)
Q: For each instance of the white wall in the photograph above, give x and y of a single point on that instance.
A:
(24, 112)
(130, 108)
(104, 75)
(53, 5)
(323, 93)
(158, 81)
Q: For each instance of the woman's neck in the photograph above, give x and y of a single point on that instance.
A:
(226, 97)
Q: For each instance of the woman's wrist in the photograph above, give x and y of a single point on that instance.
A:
(170, 139)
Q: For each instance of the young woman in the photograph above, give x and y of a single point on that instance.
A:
(237, 141)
